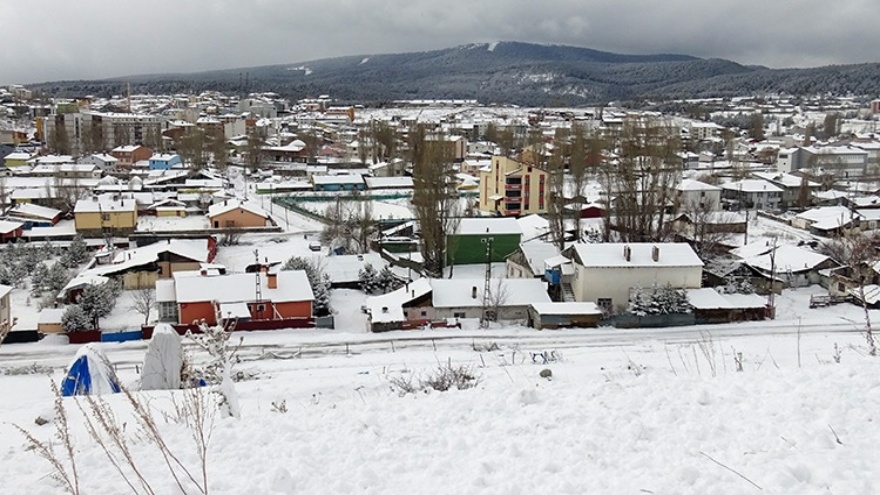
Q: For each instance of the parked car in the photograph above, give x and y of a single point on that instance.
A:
(315, 246)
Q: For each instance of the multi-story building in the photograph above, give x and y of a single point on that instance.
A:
(95, 132)
(510, 188)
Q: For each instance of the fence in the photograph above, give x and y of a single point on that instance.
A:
(651, 321)
(122, 336)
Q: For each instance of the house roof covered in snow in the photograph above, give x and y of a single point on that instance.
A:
(612, 255)
(496, 226)
(788, 259)
(233, 204)
(459, 292)
(751, 186)
(567, 308)
(695, 185)
(709, 298)
(537, 253)
(388, 308)
(292, 285)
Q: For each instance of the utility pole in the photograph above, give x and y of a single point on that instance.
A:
(487, 281)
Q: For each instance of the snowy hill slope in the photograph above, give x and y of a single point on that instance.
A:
(645, 416)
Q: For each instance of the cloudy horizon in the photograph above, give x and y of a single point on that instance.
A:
(89, 39)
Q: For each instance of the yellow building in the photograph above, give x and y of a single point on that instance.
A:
(511, 188)
(96, 216)
(17, 159)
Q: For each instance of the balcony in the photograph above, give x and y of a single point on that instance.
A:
(512, 187)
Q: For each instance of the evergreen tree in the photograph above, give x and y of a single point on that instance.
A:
(387, 281)
(74, 319)
(368, 278)
(97, 301)
(319, 281)
(76, 253)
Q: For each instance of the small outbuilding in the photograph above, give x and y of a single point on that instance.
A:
(564, 315)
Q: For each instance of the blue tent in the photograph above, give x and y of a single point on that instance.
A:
(90, 373)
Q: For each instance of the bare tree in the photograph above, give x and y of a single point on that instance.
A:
(143, 301)
(709, 227)
(434, 202)
(253, 152)
(639, 182)
(349, 225)
(494, 300)
(857, 253)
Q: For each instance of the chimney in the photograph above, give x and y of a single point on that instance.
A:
(474, 292)
(272, 280)
(384, 309)
(203, 272)
(627, 253)
(655, 253)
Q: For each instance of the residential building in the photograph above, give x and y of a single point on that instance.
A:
(693, 195)
(429, 300)
(796, 191)
(128, 155)
(266, 295)
(107, 214)
(103, 161)
(238, 214)
(606, 273)
(477, 239)
(751, 194)
(838, 161)
(510, 188)
(163, 161)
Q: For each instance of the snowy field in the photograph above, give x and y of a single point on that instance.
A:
(625, 411)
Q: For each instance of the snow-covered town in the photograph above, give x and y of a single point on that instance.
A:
(437, 296)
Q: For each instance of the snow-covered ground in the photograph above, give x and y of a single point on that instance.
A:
(660, 411)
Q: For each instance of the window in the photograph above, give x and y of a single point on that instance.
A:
(605, 304)
(105, 217)
(841, 287)
(459, 315)
(424, 313)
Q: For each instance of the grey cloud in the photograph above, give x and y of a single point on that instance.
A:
(60, 39)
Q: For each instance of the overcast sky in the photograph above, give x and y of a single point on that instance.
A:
(84, 39)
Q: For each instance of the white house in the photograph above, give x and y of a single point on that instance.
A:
(752, 194)
(696, 195)
(605, 273)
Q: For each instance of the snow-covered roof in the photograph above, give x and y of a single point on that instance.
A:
(828, 217)
(497, 226)
(233, 204)
(787, 180)
(695, 185)
(34, 211)
(5, 289)
(609, 255)
(292, 285)
(50, 316)
(709, 298)
(104, 204)
(388, 308)
(788, 259)
(533, 226)
(751, 186)
(537, 253)
(567, 308)
(337, 179)
(7, 226)
(458, 292)
(165, 290)
(386, 182)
